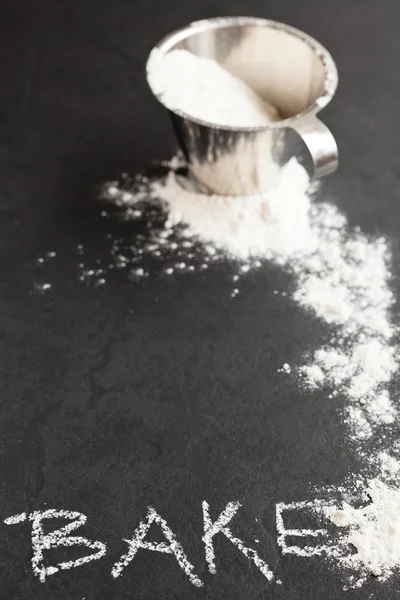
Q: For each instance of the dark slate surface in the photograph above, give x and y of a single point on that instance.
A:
(163, 393)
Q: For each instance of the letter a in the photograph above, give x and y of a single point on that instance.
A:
(173, 547)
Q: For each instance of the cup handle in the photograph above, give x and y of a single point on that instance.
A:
(320, 143)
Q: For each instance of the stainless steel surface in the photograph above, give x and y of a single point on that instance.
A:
(283, 65)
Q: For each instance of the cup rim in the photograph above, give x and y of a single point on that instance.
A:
(331, 78)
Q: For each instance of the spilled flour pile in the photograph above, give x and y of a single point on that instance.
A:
(243, 227)
(374, 531)
(346, 283)
(341, 276)
(344, 279)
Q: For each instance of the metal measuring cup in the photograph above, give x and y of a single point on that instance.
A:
(285, 66)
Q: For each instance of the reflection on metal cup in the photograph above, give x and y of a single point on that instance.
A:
(282, 65)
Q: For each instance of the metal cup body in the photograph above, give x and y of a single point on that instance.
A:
(283, 65)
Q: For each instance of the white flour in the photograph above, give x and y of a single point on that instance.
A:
(276, 222)
(209, 92)
(389, 466)
(340, 276)
(374, 531)
(343, 278)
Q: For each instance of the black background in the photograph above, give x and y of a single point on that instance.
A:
(164, 392)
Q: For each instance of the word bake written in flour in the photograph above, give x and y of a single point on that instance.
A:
(43, 543)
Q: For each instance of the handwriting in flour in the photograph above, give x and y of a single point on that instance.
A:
(43, 543)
